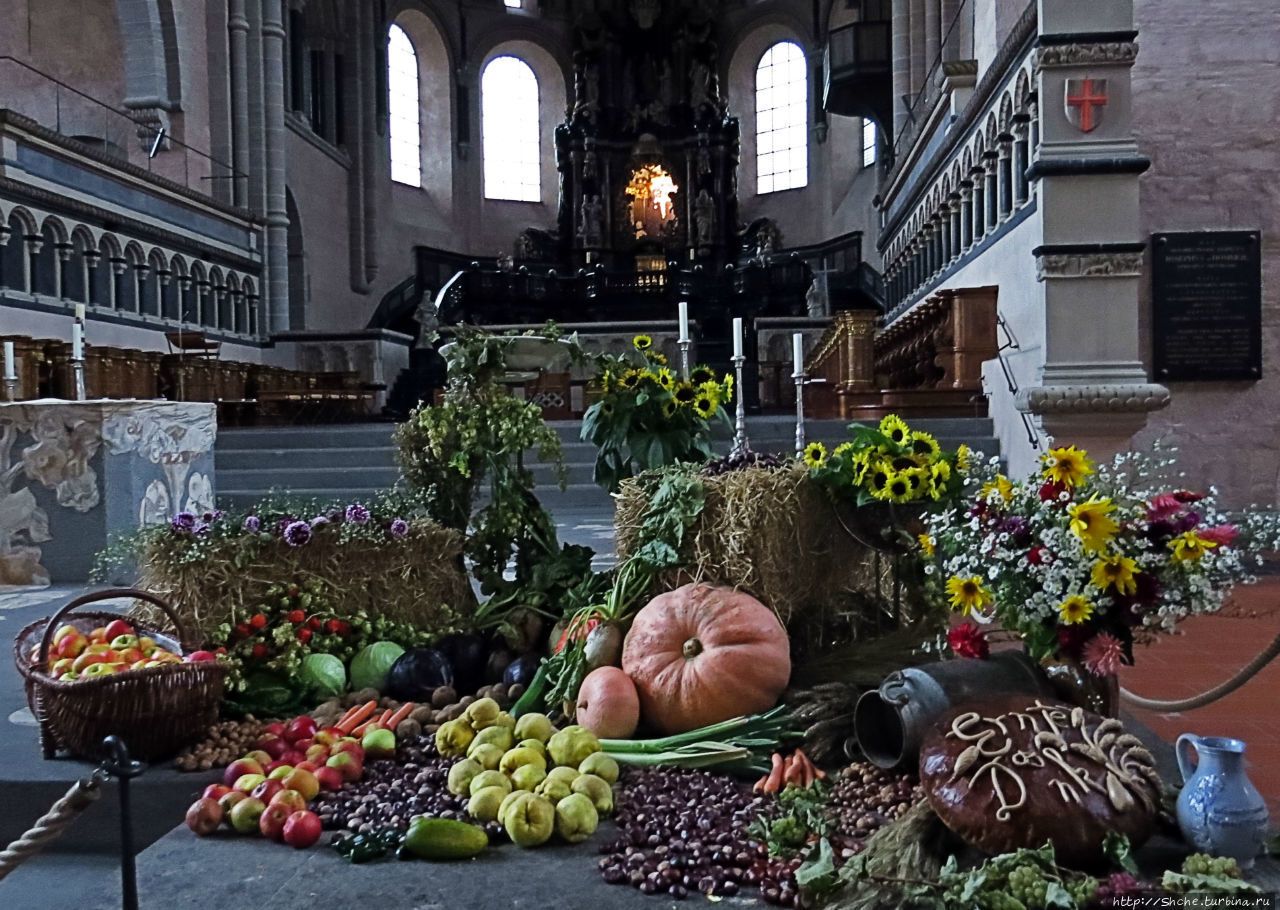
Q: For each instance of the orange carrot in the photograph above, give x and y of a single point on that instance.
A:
(760, 784)
(386, 716)
(400, 715)
(773, 783)
(793, 771)
(814, 772)
(349, 723)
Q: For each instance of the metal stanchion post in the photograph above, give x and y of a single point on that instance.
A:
(122, 767)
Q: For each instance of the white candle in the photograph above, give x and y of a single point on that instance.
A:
(737, 336)
(77, 341)
(684, 320)
(797, 351)
(10, 367)
(79, 312)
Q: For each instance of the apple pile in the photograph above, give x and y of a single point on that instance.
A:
(267, 790)
(112, 648)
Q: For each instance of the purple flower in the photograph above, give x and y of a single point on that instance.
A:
(200, 530)
(357, 514)
(297, 533)
(283, 524)
(252, 524)
(212, 516)
(399, 528)
(183, 521)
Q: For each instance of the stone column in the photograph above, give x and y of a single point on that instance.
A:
(901, 53)
(919, 66)
(957, 246)
(1005, 175)
(1020, 163)
(32, 243)
(966, 215)
(276, 253)
(932, 35)
(91, 260)
(61, 256)
(979, 208)
(238, 34)
(944, 216)
(951, 29)
(991, 189)
(118, 266)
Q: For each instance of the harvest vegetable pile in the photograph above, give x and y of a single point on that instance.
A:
(689, 712)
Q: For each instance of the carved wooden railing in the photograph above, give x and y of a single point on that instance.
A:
(927, 363)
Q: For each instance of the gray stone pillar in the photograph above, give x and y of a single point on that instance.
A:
(919, 66)
(238, 34)
(966, 215)
(932, 35)
(276, 253)
(1020, 162)
(957, 245)
(990, 189)
(901, 53)
(1005, 175)
(979, 208)
(951, 30)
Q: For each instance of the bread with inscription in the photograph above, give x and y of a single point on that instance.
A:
(1020, 771)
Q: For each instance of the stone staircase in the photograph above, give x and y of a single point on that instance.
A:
(356, 461)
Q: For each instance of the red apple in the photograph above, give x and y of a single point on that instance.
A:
(116, 628)
(289, 799)
(64, 631)
(98, 670)
(303, 727)
(215, 791)
(308, 765)
(260, 757)
(277, 766)
(266, 789)
(98, 634)
(200, 655)
(70, 646)
(302, 829)
(271, 821)
(229, 801)
(348, 745)
(318, 753)
(240, 767)
(275, 728)
(330, 778)
(293, 756)
(346, 765)
(275, 746)
(245, 815)
(204, 816)
(303, 745)
(328, 736)
(303, 781)
(87, 659)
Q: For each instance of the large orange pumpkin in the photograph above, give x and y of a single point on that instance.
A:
(699, 655)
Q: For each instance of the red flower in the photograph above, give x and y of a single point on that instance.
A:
(314, 624)
(219, 650)
(967, 641)
(1050, 491)
(1036, 556)
(1187, 496)
(296, 616)
(259, 651)
(344, 628)
(332, 626)
(1072, 638)
(293, 591)
(258, 621)
(304, 635)
(243, 630)
(1223, 535)
(1162, 506)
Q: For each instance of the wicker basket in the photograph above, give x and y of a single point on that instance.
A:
(156, 711)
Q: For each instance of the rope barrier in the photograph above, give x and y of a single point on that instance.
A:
(1199, 701)
(50, 826)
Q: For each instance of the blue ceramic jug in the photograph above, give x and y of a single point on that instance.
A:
(1219, 811)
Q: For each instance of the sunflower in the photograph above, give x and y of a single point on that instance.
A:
(967, 594)
(685, 394)
(1075, 609)
(877, 477)
(924, 444)
(927, 544)
(963, 454)
(669, 408)
(815, 455)
(701, 375)
(726, 388)
(665, 379)
(900, 487)
(1001, 485)
(1115, 571)
(642, 342)
(1091, 521)
(712, 391)
(1189, 547)
(858, 463)
(606, 382)
(630, 379)
(896, 429)
(906, 463)
(704, 404)
(1067, 466)
(656, 357)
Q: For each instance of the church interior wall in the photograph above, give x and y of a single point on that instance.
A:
(1206, 101)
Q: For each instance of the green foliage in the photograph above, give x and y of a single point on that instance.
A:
(476, 440)
(889, 463)
(647, 418)
(803, 818)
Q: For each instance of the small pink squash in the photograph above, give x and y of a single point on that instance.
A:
(608, 705)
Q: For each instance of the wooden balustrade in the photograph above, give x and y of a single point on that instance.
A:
(926, 364)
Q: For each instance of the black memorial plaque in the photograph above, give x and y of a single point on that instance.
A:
(1207, 305)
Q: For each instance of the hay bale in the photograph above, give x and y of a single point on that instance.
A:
(775, 534)
(418, 579)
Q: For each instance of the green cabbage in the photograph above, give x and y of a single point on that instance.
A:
(370, 667)
(323, 674)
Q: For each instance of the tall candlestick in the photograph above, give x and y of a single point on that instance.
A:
(797, 374)
(80, 313)
(77, 341)
(684, 320)
(737, 336)
(797, 352)
(10, 367)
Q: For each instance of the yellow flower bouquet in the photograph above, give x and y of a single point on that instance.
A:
(1080, 559)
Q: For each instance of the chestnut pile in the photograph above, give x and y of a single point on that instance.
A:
(225, 742)
(866, 797)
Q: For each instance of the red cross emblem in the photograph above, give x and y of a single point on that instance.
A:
(1085, 101)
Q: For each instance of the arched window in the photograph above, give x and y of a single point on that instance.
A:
(509, 122)
(402, 104)
(782, 141)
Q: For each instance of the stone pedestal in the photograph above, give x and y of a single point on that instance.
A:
(74, 472)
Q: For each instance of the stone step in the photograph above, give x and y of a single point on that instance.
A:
(336, 478)
(331, 456)
(346, 435)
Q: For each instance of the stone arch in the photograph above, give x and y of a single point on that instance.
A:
(55, 227)
(46, 264)
(201, 309)
(152, 284)
(249, 288)
(217, 300)
(1022, 90)
(990, 130)
(233, 303)
(153, 79)
(549, 71)
(1006, 113)
(20, 218)
(435, 104)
